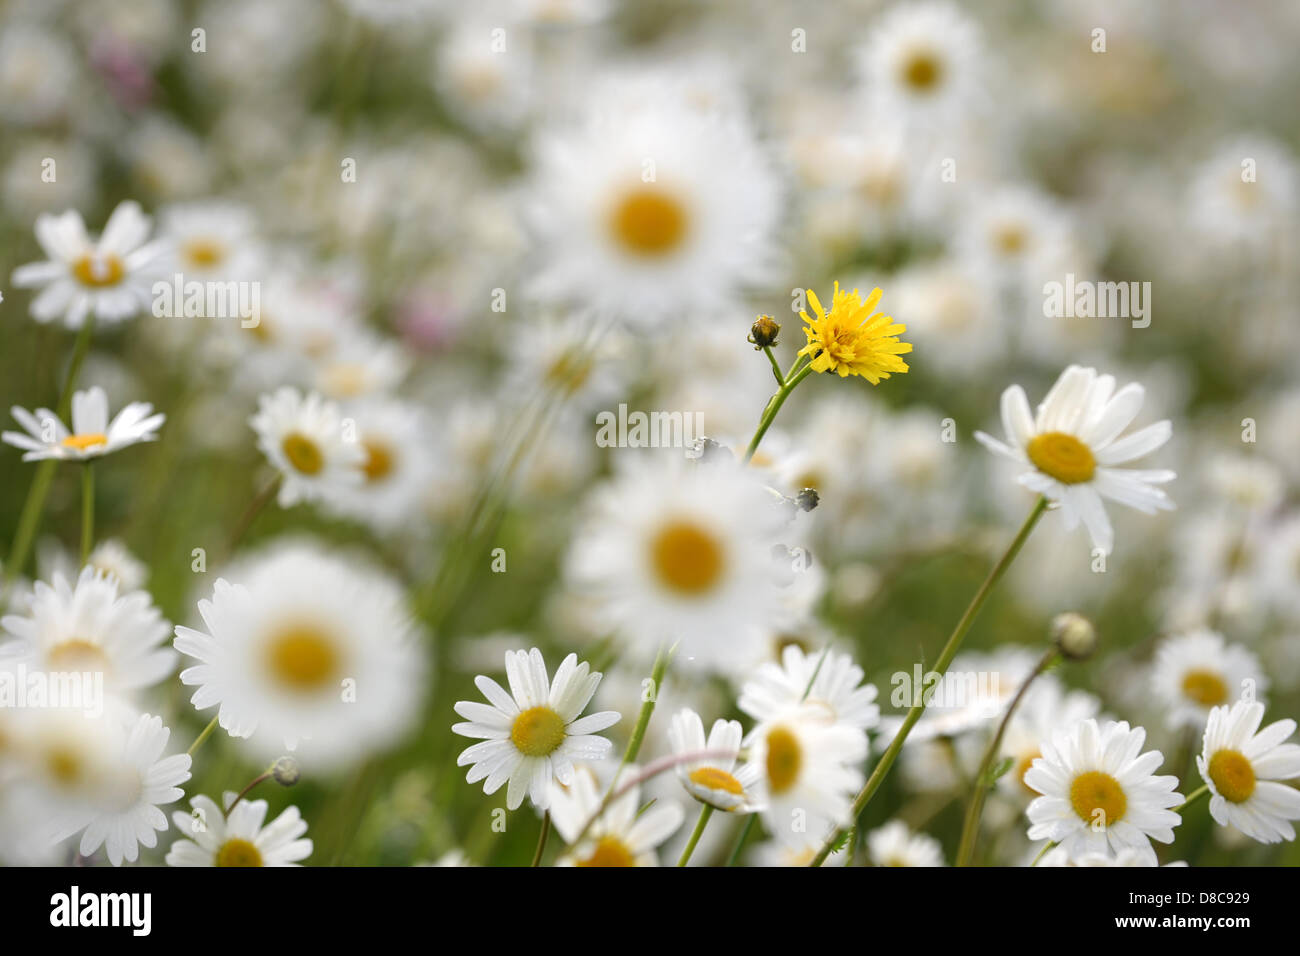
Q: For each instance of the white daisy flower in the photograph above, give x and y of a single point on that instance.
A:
(774, 853)
(241, 839)
(1245, 194)
(1048, 708)
(111, 277)
(621, 836)
(361, 364)
(654, 209)
(713, 779)
(304, 438)
(837, 687)
(922, 62)
(1099, 794)
(92, 434)
(533, 734)
(678, 550)
(144, 780)
(307, 648)
(1243, 766)
(92, 626)
(1198, 671)
(210, 240)
(811, 770)
(110, 556)
(1073, 448)
(896, 845)
(1057, 856)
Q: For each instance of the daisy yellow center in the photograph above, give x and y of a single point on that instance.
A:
(303, 658)
(379, 461)
(1009, 239)
(610, 851)
(347, 378)
(784, 758)
(716, 779)
(922, 71)
(304, 454)
(649, 222)
(64, 765)
(1205, 687)
(1233, 776)
(204, 253)
(86, 441)
(98, 271)
(77, 654)
(1097, 796)
(686, 558)
(1062, 456)
(237, 852)
(1022, 768)
(537, 731)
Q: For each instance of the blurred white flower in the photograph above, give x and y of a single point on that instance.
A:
(1197, 671)
(304, 439)
(92, 434)
(894, 844)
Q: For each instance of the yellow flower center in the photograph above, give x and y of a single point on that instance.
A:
(686, 558)
(1009, 239)
(304, 454)
(237, 852)
(610, 851)
(77, 654)
(204, 253)
(1205, 687)
(1097, 797)
(650, 223)
(379, 461)
(922, 71)
(64, 764)
(537, 731)
(784, 758)
(86, 441)
(716, 779)
(303, 658)
(1233, 776)
(348, 379)
(1062, 456)
(99, 271)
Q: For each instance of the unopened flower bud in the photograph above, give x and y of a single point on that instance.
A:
(808, 499)
(1074, 635)
(286, 771)
(764, 331)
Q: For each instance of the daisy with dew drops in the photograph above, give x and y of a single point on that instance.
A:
(852, 338)
(621, 835)
(110, 277)
(243, 838)
(1099, 792)
(304, 438)
(714, 779)
(1073, 447)
(1243, 766)
(92, 435)
(533, 734)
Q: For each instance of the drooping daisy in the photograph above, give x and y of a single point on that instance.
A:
(674, 549)
(1099, 792)
(307, 650)
(810, 772)
(1243, 766)
(304, 438)
(837, 687)
(92, 434)
(145, 779)
(852, 338)
(894, 844)
(241, 839)
(111, 276)
(713, 779)
(93, 626)
(1073, 448)
(534, 734)
(1198, 671)
(620, 837)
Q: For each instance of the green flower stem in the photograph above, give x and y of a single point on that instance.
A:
(941, 666)
(87, 511)
(1196, 794)
(740, 842)
(647, 708)
(252, 511)
(203, 735)
(776, 369)
(1043, 852)
(705, 813)
(541, 840)
(980, 790)
(265, 775)
(792, 380)
(35, 503)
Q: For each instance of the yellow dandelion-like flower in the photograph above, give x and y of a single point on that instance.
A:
(852, 339)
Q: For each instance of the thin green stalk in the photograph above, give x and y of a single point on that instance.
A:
(647, 708)
(1195, 795)
(776, 369)
(203, 735)
(265, 775)
(87, 511)
(541, 840)
(740, 843)
(705, 812)
(254, 508)
(941, 666)
(979, 792)
(774, 405)
(1043, 852)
